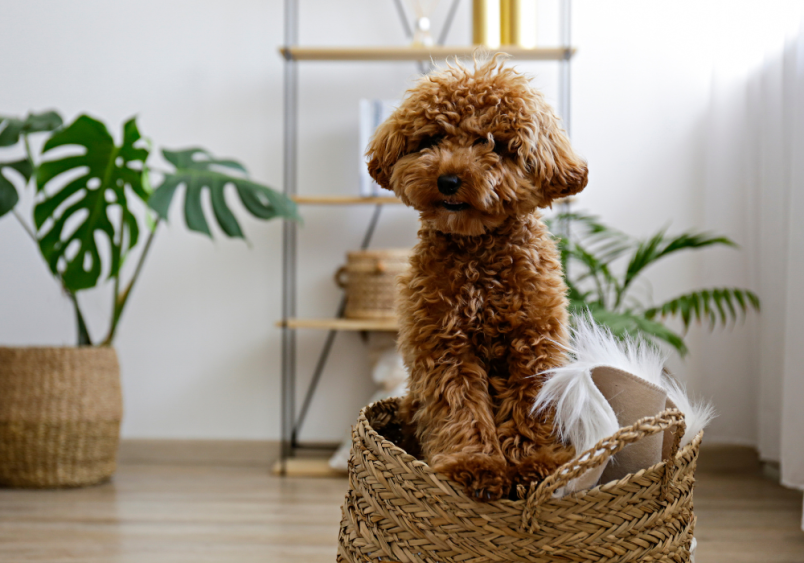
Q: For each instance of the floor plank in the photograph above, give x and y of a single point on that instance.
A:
(205, 513)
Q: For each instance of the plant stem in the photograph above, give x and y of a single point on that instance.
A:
(81, 326)
(25, 227)
(30, 154)
(116, 291)
(122, 298)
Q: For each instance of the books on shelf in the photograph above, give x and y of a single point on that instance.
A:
(372, 113)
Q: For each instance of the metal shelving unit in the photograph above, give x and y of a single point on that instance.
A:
(293, 54)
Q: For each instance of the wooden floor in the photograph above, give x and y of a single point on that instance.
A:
(202, 513)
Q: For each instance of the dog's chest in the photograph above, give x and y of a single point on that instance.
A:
(486, 296)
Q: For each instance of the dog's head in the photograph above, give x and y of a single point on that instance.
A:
(468, 149)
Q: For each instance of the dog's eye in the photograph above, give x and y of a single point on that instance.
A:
(429, 142)
(500, 147)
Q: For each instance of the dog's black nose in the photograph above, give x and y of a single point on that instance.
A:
(448, 185)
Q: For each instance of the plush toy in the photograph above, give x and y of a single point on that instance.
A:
(483, 308)
(609, 383)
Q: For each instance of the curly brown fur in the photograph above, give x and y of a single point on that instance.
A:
(483, 308)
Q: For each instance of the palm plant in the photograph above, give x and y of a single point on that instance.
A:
(86, 190)
(603, 266)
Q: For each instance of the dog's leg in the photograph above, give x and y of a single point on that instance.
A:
(450, 405)
(527, 440)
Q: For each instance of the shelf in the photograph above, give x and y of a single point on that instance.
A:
(382, 325)
(404, 53)
(344, 200)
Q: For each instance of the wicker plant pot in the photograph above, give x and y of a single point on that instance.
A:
(369, 278)
(399, 509)
(60, 411)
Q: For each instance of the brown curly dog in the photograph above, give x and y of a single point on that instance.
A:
(483, 309)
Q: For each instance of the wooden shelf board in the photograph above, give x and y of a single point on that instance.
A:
(344, 200)
(405, 53)
(307, 467)
(382, 325)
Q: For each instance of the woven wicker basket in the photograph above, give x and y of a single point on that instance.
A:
(60, 411)
(399, 509)
(370, 282)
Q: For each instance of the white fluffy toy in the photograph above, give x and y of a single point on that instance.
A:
(608, 383)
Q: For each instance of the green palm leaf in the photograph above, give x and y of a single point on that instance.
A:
(589, 223)
(593, 247)
(589, 257)
(596, 269)
(197, 171)
(707, 304)
(658, 246)
(631, 324)
(76, 196)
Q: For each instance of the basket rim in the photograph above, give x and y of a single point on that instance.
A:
(502, 503)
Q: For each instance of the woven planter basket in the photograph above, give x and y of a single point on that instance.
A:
(399, 509)
(60, 411)
(370, 282)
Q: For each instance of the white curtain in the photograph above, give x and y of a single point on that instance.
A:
(754, 163)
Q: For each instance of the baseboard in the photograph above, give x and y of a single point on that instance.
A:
(714, 458)
(262, 453)
(724, 458)
(198, 452)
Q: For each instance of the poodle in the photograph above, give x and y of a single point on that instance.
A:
(483, 307)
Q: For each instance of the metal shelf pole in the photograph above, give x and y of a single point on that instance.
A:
(289, 245)
(330, 340)
(565, 91)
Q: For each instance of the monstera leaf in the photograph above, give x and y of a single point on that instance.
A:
(8, 193)
(11, 129)
(197, 170)
(78, 192)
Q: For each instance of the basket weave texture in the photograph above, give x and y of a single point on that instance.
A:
(371, 282)
(60, 412)
(399, 509)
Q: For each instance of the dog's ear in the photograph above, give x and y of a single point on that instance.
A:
(386, 147)
(558, 170)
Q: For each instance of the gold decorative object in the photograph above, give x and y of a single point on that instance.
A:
(486, 23)
(518, 23)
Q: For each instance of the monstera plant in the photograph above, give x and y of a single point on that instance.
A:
(87, 186)
(603, 270)
(97, 205)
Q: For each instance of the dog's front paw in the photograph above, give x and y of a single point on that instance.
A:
(483, 477)
(537, 467)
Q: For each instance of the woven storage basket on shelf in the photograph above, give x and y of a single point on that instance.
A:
(60, 411)
(371, 282)
(399, 509)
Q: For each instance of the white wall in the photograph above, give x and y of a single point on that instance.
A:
(198, 347)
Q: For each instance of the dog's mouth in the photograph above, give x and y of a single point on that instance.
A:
(450, 205)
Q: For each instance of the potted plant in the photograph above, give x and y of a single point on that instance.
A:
(60, 408)
(594, 254)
